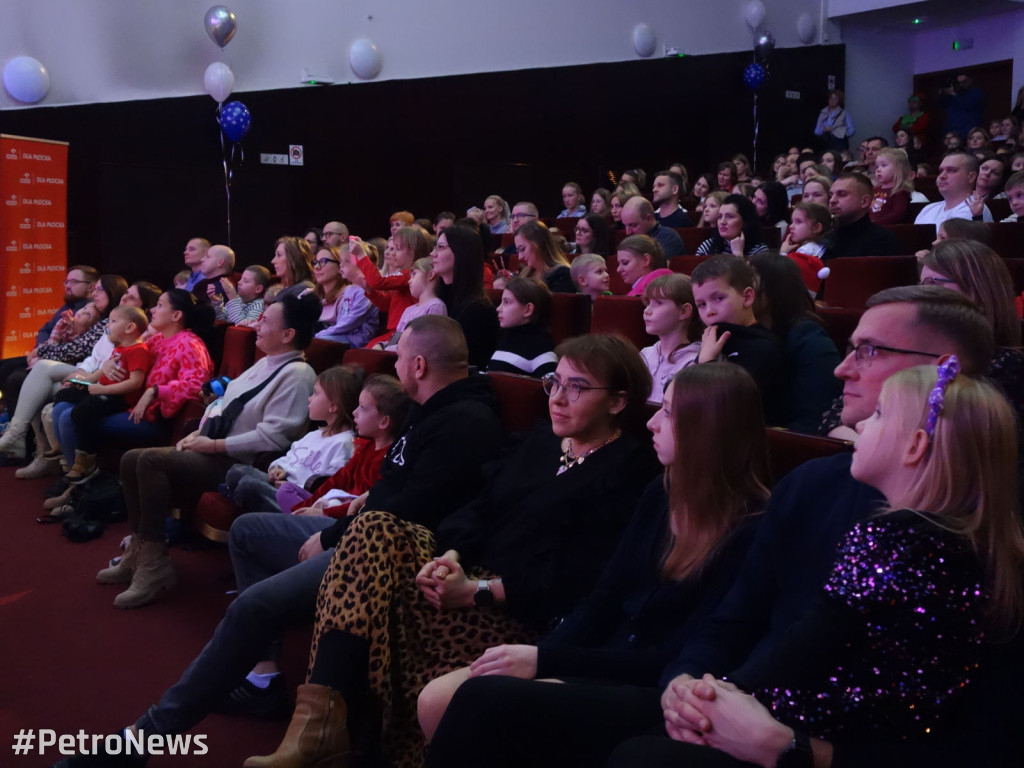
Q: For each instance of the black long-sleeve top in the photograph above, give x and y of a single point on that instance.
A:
(635, 621)
(547, 535)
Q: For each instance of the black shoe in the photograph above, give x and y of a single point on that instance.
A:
(270, 703)
(58, 487)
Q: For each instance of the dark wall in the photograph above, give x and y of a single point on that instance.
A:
(147, 175)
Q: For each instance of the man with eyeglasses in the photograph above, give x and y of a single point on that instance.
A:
(335, 234)
(811, 510)
(78, 288)
(521, 213)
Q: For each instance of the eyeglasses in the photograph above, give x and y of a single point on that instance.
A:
(70, 281)
(573, 389)
(867, 352)
(339, 234)
(524, 216)
(936, 281)
(581, 231)
(325, 262)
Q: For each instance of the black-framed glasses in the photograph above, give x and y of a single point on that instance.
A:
(867, 352)
(573, 389)
(325, 262)
(72, 281)
(940, 281)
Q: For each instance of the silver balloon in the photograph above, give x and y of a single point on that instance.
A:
(220, 23)
(764, 44)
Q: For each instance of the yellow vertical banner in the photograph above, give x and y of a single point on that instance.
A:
(33, 231)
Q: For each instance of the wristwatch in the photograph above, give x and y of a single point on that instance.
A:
(483, 598)
(798, 754)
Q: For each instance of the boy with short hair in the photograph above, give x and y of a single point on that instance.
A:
(589, 273)
(1015, 195)
(723, 289)
(107, 396)
(244, 303)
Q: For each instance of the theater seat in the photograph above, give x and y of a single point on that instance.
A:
(239, 351)
(1016, 270)
(693, 237)
(570, 315)
(371, 360)
(615, 282)
(913, 237)
(685, 265)
(1008, 239)
(854, 279)
(214, 515)
(323, 354)
(840, 323)
(788, 450)
(621, 316)
(521, 400)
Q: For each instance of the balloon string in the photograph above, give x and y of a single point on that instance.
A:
(227, 174)
(756, 127)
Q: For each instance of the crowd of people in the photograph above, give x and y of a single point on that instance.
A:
(631, 546)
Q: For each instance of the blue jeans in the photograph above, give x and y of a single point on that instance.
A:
(118, 426)
(266, 547)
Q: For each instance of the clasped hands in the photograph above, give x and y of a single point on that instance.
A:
(717, 714)
(444, 583)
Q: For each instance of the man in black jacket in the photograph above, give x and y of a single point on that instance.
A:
(432, 468)
(855, 234)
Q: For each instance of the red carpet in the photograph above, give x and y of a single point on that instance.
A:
(69, 660)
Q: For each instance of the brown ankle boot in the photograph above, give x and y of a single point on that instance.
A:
(152, 575)
(122, 572)
(317, 736)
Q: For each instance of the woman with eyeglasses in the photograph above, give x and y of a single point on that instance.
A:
(329, 284)
(502, 569)
(592, 235)
(685, 544)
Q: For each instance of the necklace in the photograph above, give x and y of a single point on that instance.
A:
(569, 460)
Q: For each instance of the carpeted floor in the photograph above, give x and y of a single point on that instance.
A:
(69, 660)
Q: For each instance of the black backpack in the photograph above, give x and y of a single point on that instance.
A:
(94, 504)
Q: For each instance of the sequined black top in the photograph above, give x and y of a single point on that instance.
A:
(893, 637)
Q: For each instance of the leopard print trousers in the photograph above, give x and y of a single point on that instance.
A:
(369, 590)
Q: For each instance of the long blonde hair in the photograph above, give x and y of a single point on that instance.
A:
(902, 179)
(967, 480)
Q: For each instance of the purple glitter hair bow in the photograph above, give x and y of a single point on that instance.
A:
(937, 398)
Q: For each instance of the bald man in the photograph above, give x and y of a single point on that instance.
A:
(217, 263)
(638, 219)
(335, 234)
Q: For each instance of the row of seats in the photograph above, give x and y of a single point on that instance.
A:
(521, 404)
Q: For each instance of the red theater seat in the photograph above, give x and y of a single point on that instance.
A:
(371, 360)
(854, 279)
(570, 315)
(323, 354)
(521, 400)
(788, 450)
(621, 316)
(239, 351)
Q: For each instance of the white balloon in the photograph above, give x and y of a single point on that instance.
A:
(219, 81)
(26, 79)
(805, 28)
(365, 59)
(754, 13)
(823, 273)
(643, 40)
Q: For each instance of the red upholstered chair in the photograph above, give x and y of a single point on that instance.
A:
(566, 226)
(323, 354)
(494, 294)
(371, 360)
(914, 237)
(521, 400)
(214, 515)
(684, 265)
(694, 236)
(788, 450)
(239, 350)
(621, 316)
(570, 315)
(853, 280)
(840, 323)
(1008, 239)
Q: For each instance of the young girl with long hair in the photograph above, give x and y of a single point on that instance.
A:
(318, 453)
(914, 593)
(685, 543)
(893, 185)
(389, 292)
(670, 314)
